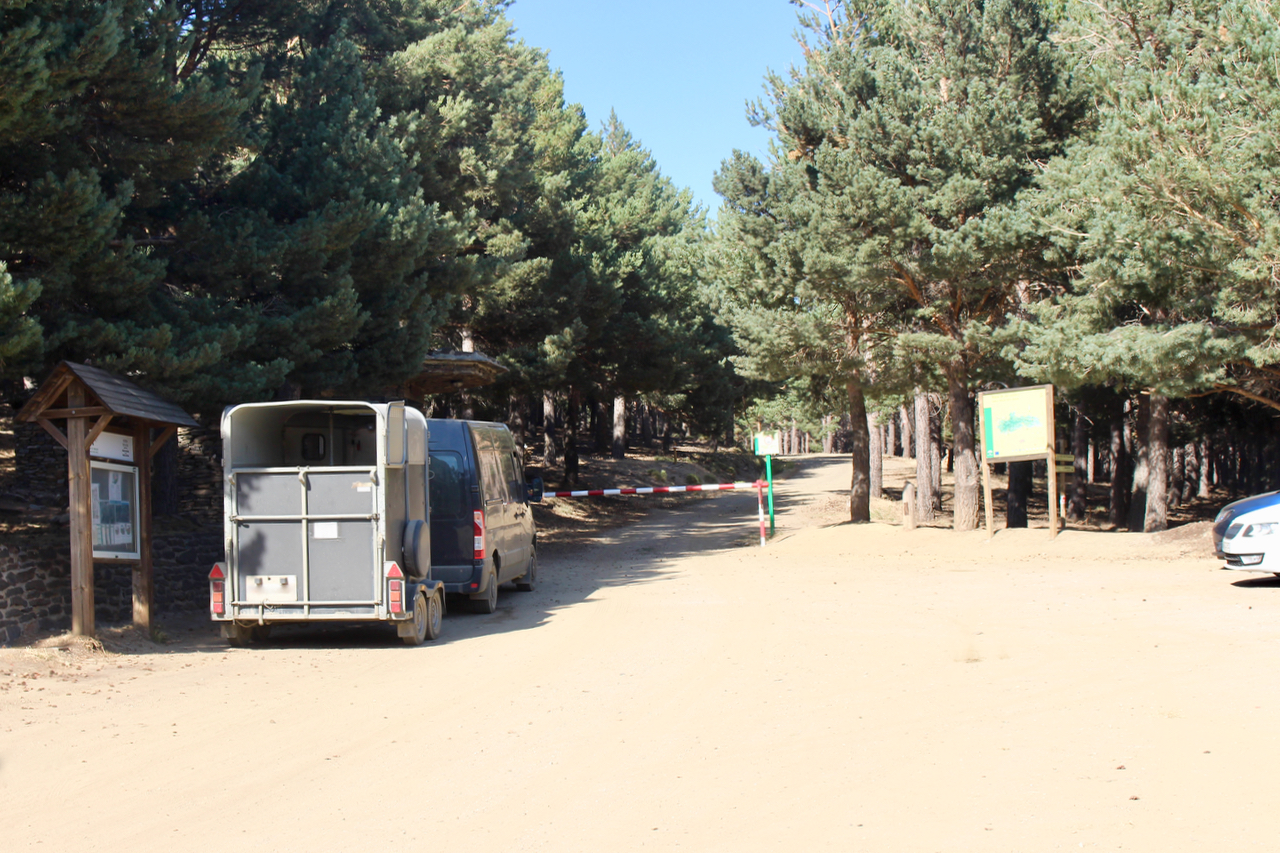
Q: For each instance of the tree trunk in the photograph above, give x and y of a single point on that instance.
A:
(571, 437)
(876, 472)
(891, 437)
(1119, 507)
(935, 449)
(1077, 505)
(967, 504)
(925, 498)
(908, 432)
(1141, 464)
(602, 434)
(1202, 454)
(1178, 474)
(1018, 494)
(550, 454)
(1157, 511)
(619, 447)
(860, 487)
(646, 424)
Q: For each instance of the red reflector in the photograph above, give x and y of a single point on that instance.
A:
(475, 586)
(396, 590)
(216, 598)
(216, 574)
(477, 525)
(394, 571)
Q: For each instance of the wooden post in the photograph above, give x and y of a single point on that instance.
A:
(143, 573)
(1051, 463)
(909, 506)
(986, 493)
(81, 517)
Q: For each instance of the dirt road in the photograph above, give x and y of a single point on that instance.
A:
(669, 686)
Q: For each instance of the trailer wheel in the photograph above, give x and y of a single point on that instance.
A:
(525, 583)
(435, 614)
(421, 620)
(489, 603)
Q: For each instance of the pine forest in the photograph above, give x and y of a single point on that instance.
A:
(241, 200)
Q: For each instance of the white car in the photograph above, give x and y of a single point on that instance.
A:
(1246, 534)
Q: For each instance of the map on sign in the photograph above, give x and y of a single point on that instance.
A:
(1016, 422)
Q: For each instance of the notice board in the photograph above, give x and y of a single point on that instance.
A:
(1017, 423)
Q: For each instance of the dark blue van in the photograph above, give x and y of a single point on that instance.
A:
(482, 531)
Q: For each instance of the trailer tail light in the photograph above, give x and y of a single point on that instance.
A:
(477, 526)
(395, 588)
(218, 590)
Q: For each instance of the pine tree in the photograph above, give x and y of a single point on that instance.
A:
(1168, 212)
(913, 133)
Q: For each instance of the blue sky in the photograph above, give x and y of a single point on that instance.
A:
(678, 74)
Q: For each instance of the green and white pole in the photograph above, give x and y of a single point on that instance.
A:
(767, 446)
(768, 475)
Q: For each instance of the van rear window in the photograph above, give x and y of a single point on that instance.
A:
(448, 486)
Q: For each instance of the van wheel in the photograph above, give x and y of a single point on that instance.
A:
(489, 603)
(525, 584)
(421, 621)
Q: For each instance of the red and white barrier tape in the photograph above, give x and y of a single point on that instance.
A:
(651, 490)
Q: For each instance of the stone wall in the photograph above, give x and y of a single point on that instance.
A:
(200, 475)
(41, 471)
(35, 580)
(40, 467)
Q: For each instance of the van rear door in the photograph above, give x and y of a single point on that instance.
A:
(452, 536)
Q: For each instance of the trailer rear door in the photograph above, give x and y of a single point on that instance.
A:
(306, 539)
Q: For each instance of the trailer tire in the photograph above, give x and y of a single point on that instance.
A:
(416, 538)
(435, 614)
(421, 621)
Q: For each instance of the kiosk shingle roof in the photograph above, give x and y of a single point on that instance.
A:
(116, 393)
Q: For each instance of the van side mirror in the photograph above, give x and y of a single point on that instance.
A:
(535, 490)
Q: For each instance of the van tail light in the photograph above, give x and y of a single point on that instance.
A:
(218, 590)
(395, 588)
(478, 527)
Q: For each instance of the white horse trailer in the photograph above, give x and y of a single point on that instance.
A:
(325, 518)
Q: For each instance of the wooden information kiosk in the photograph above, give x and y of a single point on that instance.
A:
(109, 442)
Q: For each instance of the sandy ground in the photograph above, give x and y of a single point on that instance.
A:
(670, 685)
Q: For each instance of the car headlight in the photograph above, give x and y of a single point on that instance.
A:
(1263, 529)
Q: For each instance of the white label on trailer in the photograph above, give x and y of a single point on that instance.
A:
(362, 487)
(270, 588)
(324, 530)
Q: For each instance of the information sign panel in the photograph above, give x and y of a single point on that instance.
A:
(114, 504)
(1016, 423)
(766, 445)
(111, 445)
